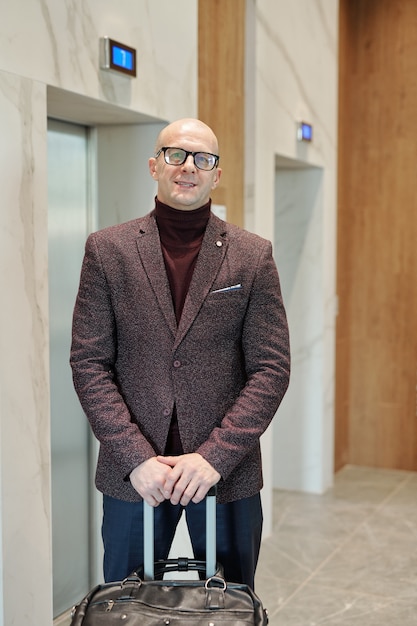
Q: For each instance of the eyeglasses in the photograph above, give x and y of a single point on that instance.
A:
(177, 156)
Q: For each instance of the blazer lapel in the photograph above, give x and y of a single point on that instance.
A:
(149, 247)
(210, 258)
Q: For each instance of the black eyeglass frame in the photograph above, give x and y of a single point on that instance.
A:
(187, 154)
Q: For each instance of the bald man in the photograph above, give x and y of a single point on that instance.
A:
(180, 359)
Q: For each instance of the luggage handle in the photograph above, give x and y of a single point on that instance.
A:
(148, 528)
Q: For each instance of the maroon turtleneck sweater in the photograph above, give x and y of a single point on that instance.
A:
(181, 233)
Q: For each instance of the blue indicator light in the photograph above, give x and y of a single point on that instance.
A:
(122, 58)
(304, 132)
(117, 57)
(307, 132)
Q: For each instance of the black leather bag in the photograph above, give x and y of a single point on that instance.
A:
(170, 602)
(145, 598)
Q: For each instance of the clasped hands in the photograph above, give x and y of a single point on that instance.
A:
(180, 479)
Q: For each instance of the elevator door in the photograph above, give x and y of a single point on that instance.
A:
(67, 224)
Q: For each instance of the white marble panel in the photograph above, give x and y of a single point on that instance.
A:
(296, 79)
(58, 43)
(24, 375)
(299, 41)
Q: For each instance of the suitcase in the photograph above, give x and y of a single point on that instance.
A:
(145, 598)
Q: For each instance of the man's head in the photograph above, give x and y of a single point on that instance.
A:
(185, 186)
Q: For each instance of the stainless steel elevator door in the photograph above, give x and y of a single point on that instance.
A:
(68, 214)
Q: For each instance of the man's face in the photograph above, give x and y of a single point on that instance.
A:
(185, 187)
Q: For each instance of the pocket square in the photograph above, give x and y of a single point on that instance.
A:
(230, 288)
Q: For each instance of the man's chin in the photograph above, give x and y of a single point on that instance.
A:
(185, 202)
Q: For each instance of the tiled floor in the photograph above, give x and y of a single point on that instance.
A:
(346, 558)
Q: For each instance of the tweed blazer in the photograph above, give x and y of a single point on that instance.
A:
(225, 365)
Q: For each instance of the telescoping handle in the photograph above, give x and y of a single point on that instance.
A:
(148, 528)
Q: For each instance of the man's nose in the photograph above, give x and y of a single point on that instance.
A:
(189, 162)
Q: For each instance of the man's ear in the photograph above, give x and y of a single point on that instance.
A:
(152, 168)
(217, 177)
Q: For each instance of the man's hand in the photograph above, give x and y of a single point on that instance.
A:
(190, 478)
(149, 480)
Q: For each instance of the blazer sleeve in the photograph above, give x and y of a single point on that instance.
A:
(92, 358)
(266, 351)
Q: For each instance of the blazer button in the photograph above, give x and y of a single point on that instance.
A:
(177, 363)
(167, 412)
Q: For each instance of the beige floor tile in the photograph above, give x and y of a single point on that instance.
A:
(346, 558)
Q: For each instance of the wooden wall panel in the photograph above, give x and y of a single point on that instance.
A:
(221, 53)
(376, 358)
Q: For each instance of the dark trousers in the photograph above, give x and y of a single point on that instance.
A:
(238, 530)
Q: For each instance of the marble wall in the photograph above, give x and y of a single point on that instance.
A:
(44, 44)
(57, 43)
(24, 385)
(295, 77)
